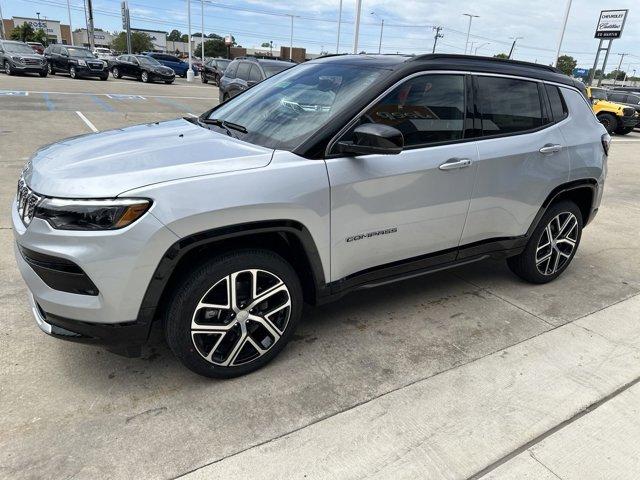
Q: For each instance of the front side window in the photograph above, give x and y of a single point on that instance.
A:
(148, 61)
(283, 111)
(426, 109)
(509, 105)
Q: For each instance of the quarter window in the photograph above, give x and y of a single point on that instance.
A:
(558, 106)
(243, 71)
(254, 74)
(426, 109)
(509, 105)
(230, 72)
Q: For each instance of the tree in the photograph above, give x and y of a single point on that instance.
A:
(184, 38)
(40, 36)
(23, 33)
(501, 55)
(213, 48)
(616, 74)
(175, 36)
(566, 64)
(265, 44)
(140, 42)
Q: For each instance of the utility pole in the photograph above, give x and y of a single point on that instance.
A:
(615, 77)
(2, 23)
(90, 33)
(339, 22)
(356, 31)
(202, 33)
(471, 17)
(513, 45)
(291, 39)
(436, 37)
(381, 29)
(564, 27)
(126, 23)
(70, 27)
(190, 71)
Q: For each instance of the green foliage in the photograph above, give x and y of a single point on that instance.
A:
(140, 42)
(23, 33)
(213, 48)
(501, 55)
(616, 74)
(174, 36)
(566, 64)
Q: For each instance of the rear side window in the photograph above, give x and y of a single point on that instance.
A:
(426, 109)
(243, 71)
(509, 105)
(558, 106)
(230, 72)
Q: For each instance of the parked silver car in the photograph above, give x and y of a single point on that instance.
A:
(342, 173)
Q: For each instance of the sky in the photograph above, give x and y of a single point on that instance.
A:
(408, 25)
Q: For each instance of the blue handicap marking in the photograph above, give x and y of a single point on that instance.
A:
(13, 93)
(115, 96)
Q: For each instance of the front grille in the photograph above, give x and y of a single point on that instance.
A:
(32, 61)
(629, 112)
(95, 65)
(27, 201)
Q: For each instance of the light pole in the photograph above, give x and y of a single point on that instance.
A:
(615, 77)
(480, 46)
(1, 23)
(513, 45)
(564, 27)
(436, 37)
(70, 27)
(356, 30)
(189, 72)
(339, 22)
(471, 17)
(381, 29)
(291, 37)
(202, 33)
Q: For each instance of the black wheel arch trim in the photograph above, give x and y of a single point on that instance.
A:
(180, 248)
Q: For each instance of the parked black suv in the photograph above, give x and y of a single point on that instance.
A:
(18, 57)
(626, 98)
(78, 62)
(245, 72)
(143, 68)
(213, 70)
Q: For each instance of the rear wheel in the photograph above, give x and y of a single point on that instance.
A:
(552, 245)
(609, 121)
(116, 72)
(235, 313)
(203, 78)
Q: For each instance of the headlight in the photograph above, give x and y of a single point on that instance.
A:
(111, 214)
(82, 62)
(17, 59)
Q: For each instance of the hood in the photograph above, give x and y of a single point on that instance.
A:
(34, 55)
(109, 163)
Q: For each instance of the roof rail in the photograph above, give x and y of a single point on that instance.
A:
(451, 56)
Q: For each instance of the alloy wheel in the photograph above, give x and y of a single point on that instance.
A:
(49, 69)
(72, 72)
(7, 68)
(145, 77)
(241, 317)
(557, 243)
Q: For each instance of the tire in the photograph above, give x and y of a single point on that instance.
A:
(183, 75)
(116, 72)
(168, 82)
(50, 69)
(235, 352)
(225, 97)
(624, 130)
(43, 74)
(104, 78)
(542, 260)
(144, 76)
(7, 68)
(609, 121)
(72, 72)
(203, 78)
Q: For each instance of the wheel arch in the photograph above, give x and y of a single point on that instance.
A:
(582, 192)
(288, 238)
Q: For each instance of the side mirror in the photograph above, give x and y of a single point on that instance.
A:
(374, 138)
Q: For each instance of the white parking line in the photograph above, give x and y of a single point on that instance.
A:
(107, 95)
(86, 120)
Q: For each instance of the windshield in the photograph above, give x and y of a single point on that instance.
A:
(283, 111)
(270, 69)
(598, 94)
(148, 61)
(18, 48)
(80, 53)
(223, 63)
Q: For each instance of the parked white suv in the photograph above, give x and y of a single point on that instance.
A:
(341, 173)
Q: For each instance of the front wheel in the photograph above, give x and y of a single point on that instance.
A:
(116, 73)
(552, 245)
(104, 77)
(144, 76)
(609, 121)
(203, 78)
(234, 313)
(168, 82)
(50, 69)
(72, 72)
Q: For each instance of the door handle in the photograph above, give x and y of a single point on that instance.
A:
(549, 148)
(455, 163)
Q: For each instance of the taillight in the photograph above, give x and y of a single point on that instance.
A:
(606, 142)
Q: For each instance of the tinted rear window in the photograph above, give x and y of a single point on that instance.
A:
(558, 105)
(509, 105)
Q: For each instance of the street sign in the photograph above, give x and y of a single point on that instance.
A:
(580, 72)
(611, 23)
(228, 40)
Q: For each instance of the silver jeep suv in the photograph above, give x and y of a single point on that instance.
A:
(341, 173)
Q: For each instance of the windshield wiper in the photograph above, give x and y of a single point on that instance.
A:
(228, 126)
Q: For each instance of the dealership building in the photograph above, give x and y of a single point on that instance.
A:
(56, 31)
(101, 37)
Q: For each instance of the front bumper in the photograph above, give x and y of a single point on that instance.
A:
(120, 263)
(630, 121)
(20, 67)
(83, 71)
(162, 77)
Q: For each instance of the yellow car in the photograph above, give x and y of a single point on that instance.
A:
(615, 117)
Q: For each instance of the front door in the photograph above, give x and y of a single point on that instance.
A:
(390, 208)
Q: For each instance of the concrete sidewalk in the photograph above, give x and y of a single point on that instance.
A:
(482, 414)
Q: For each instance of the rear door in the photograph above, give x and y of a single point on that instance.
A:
(394, 208)
(242, 77)
(522, 156)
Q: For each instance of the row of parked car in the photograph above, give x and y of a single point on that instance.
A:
(618, 109)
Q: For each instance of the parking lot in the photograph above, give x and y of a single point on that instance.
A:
(465, 374)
